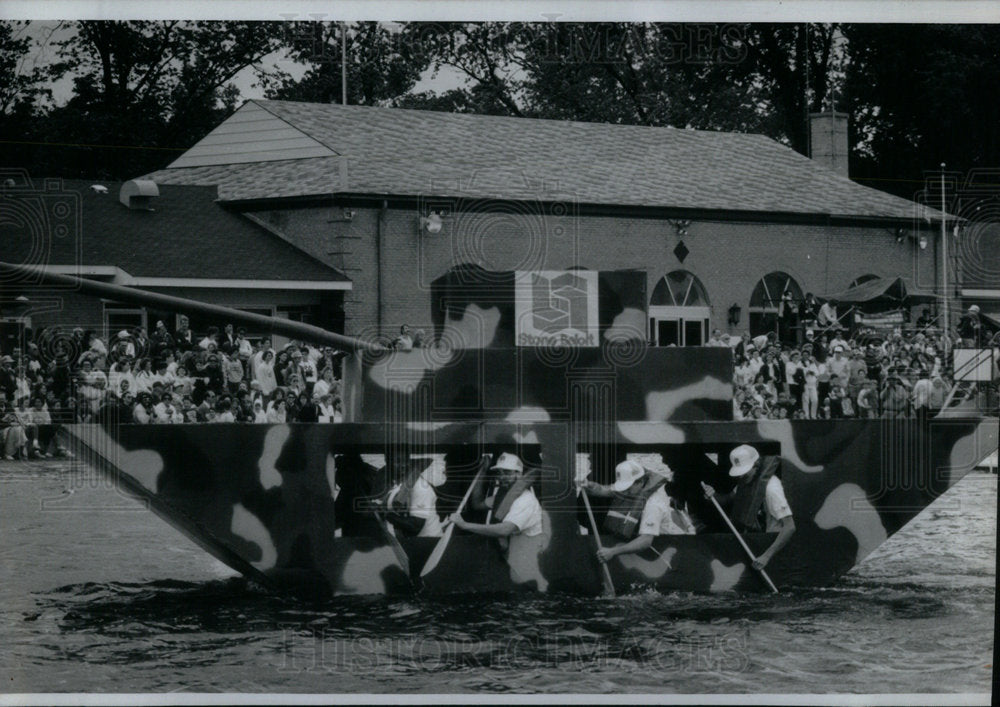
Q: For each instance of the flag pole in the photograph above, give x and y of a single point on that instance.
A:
(343, 63)
(944, 269)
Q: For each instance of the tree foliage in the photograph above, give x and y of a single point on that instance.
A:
(921, 95)
(143, 92)
(379, 66)
(21, 85)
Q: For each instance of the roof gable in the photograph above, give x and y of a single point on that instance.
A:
(252, 134)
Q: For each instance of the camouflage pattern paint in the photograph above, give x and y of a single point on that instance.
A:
(259, 498)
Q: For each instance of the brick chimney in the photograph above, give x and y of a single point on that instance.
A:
(828, 140)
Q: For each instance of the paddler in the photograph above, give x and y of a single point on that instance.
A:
(515, 510)
(758, 502)
(640, 509)
(412, 503)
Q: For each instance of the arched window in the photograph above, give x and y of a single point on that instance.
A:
(765, 300)
(679, 311)
(862, 280)
(679, 288)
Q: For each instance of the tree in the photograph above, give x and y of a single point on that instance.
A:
(21, 86)
(379, 66)
(752, 78)
(144, 92)
(944, 110)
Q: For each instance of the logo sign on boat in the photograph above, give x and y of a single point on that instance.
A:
(556, 308)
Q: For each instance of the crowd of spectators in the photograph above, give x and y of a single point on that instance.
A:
(809, 372)
(828, 374)
(162, 378)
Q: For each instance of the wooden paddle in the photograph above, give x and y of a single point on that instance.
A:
(609, 586)
(581, 476)
(442, 543)
(390, 537)
(746, 548)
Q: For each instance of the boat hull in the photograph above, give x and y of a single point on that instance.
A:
(261, 498)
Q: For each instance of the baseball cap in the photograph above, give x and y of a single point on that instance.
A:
(742, 460)
(510, 462)
(627, 473)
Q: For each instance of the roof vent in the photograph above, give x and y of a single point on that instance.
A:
(139, 194)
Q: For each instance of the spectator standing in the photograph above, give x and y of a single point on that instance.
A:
(144, 377)
(324, 385)
(938, 394)
(184, 339)
(232, 370)
(970, 328)
(827, 316)
(839, 365)
(787, 318)
(281, 363)
(244, 349)
(808, 311)
(810, 387)
(211, 340)
(161, 340)
(264, 373)
(895, 397)
(403, 342)
(794, 377)
(227, 343)
(921, 395)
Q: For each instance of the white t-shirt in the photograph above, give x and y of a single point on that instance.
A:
(660, 518)
(423, 504)
(526, 514)
(775, 503)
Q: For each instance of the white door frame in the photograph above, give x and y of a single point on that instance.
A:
(659, 313)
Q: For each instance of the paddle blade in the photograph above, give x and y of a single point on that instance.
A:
(438, 551)
(397, 549)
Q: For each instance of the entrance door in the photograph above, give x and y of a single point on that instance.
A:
(679, 311)
(678, 326)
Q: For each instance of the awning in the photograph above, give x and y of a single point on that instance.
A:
(890, 288)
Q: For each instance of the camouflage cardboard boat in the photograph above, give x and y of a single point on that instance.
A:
(289, 505)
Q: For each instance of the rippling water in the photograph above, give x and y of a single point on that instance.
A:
(114, 600)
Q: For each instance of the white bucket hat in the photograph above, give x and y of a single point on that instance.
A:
(742, 459)
(510, 462)
(627, 473)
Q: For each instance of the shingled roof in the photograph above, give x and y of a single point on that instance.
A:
(187, 235)
(407, 153)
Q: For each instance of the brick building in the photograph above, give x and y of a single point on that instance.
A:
(176, 240)
(396, 198)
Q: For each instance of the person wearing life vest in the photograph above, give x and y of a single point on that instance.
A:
(758, 502)
(412, 503)
(640, 509)
(515, 510)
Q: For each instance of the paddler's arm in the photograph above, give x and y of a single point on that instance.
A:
(637, 544)
(493, 530)
(784, 535)
(597, 490)
(724, 499)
